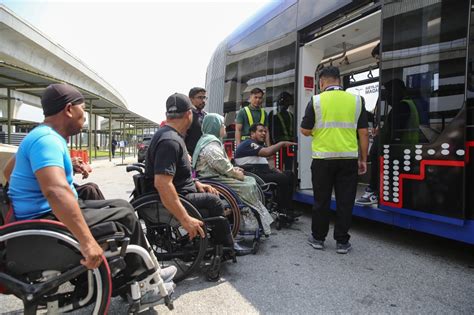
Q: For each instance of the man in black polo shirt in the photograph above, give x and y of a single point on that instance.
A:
(252, 155)
(168, 170)
(197, 96)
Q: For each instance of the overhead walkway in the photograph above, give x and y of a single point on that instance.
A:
(30, 61)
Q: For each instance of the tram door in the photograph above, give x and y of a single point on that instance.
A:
(422, 109)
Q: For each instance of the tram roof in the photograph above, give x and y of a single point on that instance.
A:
(25, 70)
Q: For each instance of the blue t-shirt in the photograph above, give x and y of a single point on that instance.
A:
(42, 147)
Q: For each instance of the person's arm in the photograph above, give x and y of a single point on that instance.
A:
(364, 146)
(169, 197)
(63, 202)
(238, 133)
(363, 133)
(271, 150)
(267, 138)
(215, 158)
(307, 124)
(7, 171)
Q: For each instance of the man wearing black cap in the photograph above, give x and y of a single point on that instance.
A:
(168, 170)
(41, 185)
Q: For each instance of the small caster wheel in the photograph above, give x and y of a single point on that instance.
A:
(213, 275)
(255, 247)
(169, 303)
(278, 225)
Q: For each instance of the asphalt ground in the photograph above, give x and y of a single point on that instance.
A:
(389, 271)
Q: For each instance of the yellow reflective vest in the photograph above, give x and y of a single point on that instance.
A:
(335, 130)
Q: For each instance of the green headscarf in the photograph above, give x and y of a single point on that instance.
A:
(211, 129)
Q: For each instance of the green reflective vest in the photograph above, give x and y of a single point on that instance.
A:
(287, 130)
(335, 130)
(411, 135)
(250, 119)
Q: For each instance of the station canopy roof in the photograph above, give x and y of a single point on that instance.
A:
(29, 82)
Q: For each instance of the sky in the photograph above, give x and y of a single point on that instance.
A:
(146, 50)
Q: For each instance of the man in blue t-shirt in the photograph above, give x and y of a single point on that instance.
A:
(41, 185)
(252, 155)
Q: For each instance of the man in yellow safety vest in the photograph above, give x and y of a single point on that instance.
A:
(249, 115)
(338, 123)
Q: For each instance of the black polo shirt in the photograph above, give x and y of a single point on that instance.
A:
(167, 155)
(194, 132)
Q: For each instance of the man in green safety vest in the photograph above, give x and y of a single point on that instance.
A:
(337, 121)
(249, 115)
(281, 125)
(402, 124)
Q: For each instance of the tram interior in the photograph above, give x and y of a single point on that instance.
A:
(348, 47)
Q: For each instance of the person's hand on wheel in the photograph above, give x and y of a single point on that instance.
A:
(193, 227)
(92, 253)
(206, 188)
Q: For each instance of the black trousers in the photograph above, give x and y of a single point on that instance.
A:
(123, 214)
(285, 185)
(340, 174)
(89, 191)
(209, 205)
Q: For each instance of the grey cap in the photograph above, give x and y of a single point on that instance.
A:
(178, 103)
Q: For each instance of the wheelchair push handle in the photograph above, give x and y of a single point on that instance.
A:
(132, 168)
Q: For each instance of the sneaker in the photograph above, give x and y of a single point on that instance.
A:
(154, 295)
(167, 274)
(368, 198)
(316, 244)
(343, 248)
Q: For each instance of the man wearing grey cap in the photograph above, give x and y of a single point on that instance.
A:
(41, 186)
(168, 170)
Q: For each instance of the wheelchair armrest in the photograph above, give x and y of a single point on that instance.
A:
(142, 165)
(267, 186)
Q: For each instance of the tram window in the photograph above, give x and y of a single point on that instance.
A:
(423, 68)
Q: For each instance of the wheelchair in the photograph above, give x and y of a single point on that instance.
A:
(170, 241)
(232, 201)
(30, 270)
(267, 193)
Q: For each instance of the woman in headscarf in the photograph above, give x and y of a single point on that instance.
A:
(210, 159)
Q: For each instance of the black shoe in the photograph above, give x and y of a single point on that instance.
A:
(316, 244)
(343, 248)
(241, 250)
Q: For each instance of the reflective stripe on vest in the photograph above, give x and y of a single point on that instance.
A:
(412, 134)
(250, 118)
(287, 135)
(335, 133)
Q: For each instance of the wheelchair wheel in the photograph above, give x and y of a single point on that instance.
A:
(28, 255)
(260, 183)
(231, 206)
(168, 238)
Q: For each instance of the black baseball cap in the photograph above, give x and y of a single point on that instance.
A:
(178, 103)
(330, 72)
(57, 96)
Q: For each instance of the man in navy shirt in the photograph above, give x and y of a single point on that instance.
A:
(252, 155)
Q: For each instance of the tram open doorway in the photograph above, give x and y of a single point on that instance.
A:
(348, 47)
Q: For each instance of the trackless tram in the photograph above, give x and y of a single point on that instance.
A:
(426, 50)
